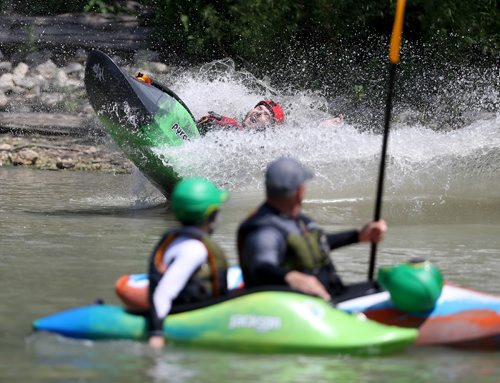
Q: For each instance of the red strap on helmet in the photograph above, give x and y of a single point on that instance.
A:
(275, 109)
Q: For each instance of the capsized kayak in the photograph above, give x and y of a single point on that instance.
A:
(461, 317)
(260, 321)
(141, 118)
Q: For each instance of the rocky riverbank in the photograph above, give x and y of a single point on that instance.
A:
(55, 153)
(45, 118)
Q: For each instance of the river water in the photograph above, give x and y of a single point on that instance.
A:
(66, 237)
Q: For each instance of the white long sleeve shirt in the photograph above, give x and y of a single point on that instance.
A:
(183, 257)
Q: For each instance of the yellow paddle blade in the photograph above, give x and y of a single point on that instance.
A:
(397, 32)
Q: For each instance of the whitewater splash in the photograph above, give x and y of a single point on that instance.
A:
(422, 162)
(345, 160)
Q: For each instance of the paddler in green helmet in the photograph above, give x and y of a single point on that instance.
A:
(279, 245)
(186, 265)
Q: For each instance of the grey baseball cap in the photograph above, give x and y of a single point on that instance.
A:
(284, 176)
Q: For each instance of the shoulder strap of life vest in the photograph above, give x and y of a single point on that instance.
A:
(192, 232)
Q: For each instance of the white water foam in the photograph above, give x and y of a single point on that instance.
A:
(421, 161)
(346, 160)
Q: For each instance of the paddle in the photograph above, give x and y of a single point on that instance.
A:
(395, 46)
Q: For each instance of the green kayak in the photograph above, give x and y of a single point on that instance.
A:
(142, 119)
(262, 321)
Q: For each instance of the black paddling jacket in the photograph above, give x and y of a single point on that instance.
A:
(270, 244)
(208, 281)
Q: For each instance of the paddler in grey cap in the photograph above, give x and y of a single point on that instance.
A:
(278, 245)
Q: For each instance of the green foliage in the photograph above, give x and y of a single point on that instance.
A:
(30, 44)
(100, 6)
(262, 30)
(194, 28)
(461, 24)
(266, 32)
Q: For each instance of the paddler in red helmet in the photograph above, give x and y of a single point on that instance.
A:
(265, 113)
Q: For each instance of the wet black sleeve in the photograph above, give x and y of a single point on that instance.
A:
(268, 274)
(266, 248)
(155, 323)
(204, 125)
(342, 239)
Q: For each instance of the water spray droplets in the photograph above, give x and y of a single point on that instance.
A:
(423, 160)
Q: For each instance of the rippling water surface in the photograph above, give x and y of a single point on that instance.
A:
(65, 237)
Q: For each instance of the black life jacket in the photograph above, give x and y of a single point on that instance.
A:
(307, 251)
(208, 281)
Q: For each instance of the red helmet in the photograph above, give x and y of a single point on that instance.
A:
(275, 109)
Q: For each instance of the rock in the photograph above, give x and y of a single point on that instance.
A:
(48, 69)
(35, 91)
(4, 147)
(51, 99)
(87, 109)
(43, 83)
(4, 100)
(31, 96)
(65, 163)
(18, 90)
(6, 82)
(24, 82)
(73, 83)
(4, 158)
(61, 78)
(73, 67)
(90, 150)
(21, 70)
(24, 157)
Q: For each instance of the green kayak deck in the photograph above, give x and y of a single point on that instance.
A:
(144, 120)
(264, 322)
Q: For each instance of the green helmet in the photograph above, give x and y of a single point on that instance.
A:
(195, 199)
(413, 286)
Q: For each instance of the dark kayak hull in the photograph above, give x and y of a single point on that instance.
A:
(143, 120)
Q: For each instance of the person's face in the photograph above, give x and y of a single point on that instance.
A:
(211, 223)
(258, 117)
(296, 200)
(301, 193)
